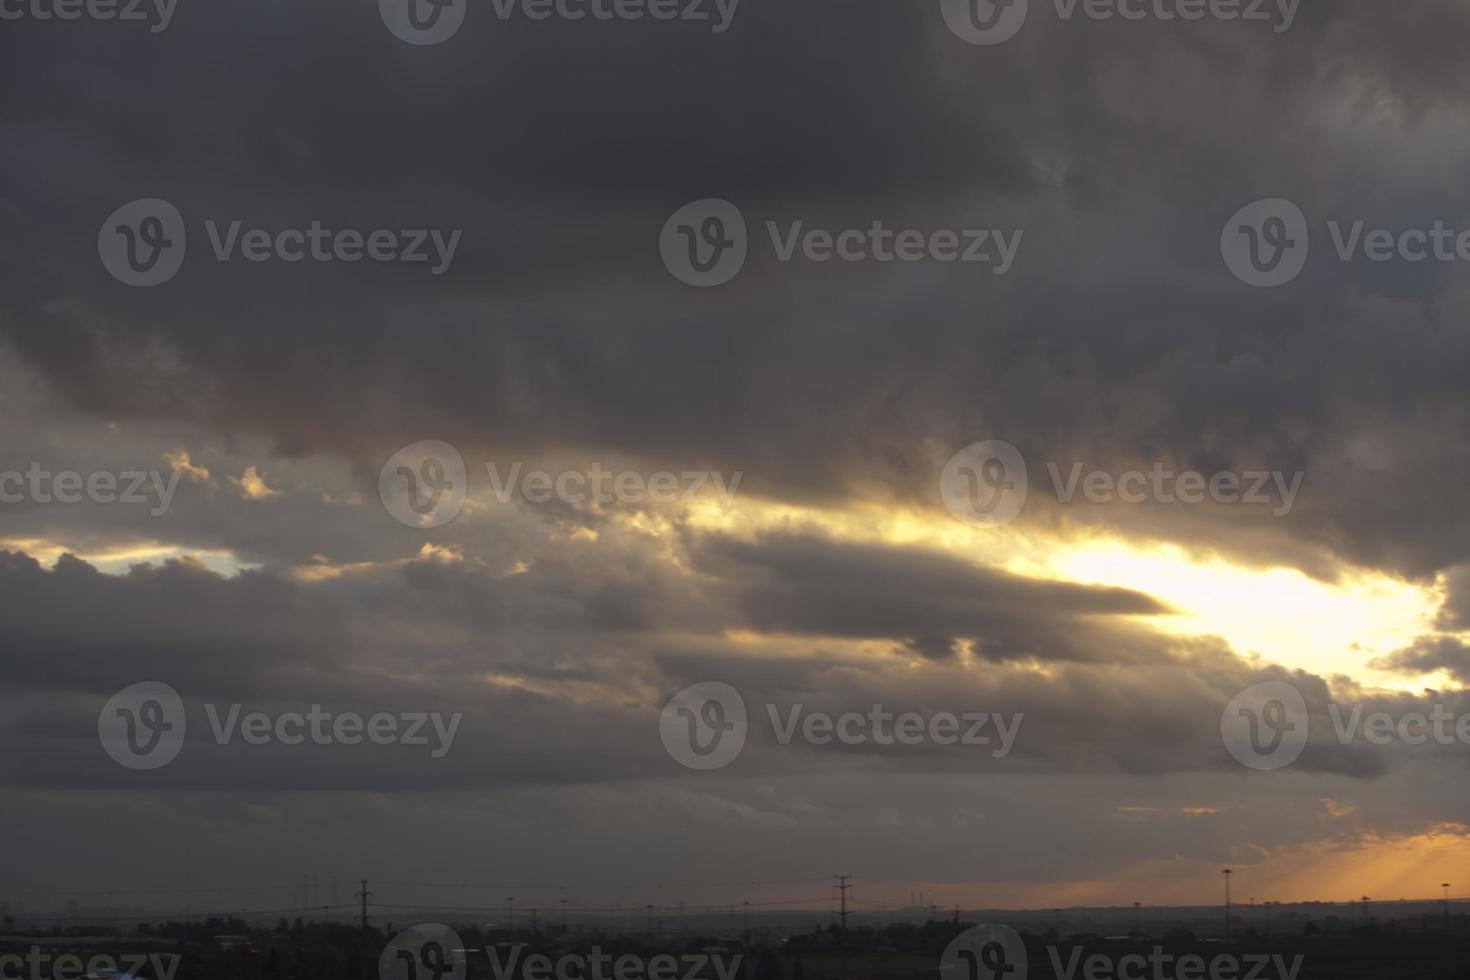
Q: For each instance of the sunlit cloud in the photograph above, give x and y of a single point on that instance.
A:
(117, 559)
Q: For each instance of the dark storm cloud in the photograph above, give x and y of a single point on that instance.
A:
(561, 753)
(791, 584)
(554, 689)
(1446, 651)
(1455, 613)
(1430, 655)
(560, 148)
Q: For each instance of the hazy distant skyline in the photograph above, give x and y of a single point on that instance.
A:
(818, 402)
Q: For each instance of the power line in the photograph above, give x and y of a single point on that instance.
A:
(607, 909)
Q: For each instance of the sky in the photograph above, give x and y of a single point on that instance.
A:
(784, 482)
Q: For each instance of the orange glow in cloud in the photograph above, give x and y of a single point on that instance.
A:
(1279, 614)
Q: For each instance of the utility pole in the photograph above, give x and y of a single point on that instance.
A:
(842, 887)
(1058, 914)
(1137, 926)
(510, 915)
(746, 907)
(364, 895)
(563, 915)
(1227, 873)
(650, 921)
(533, 923)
